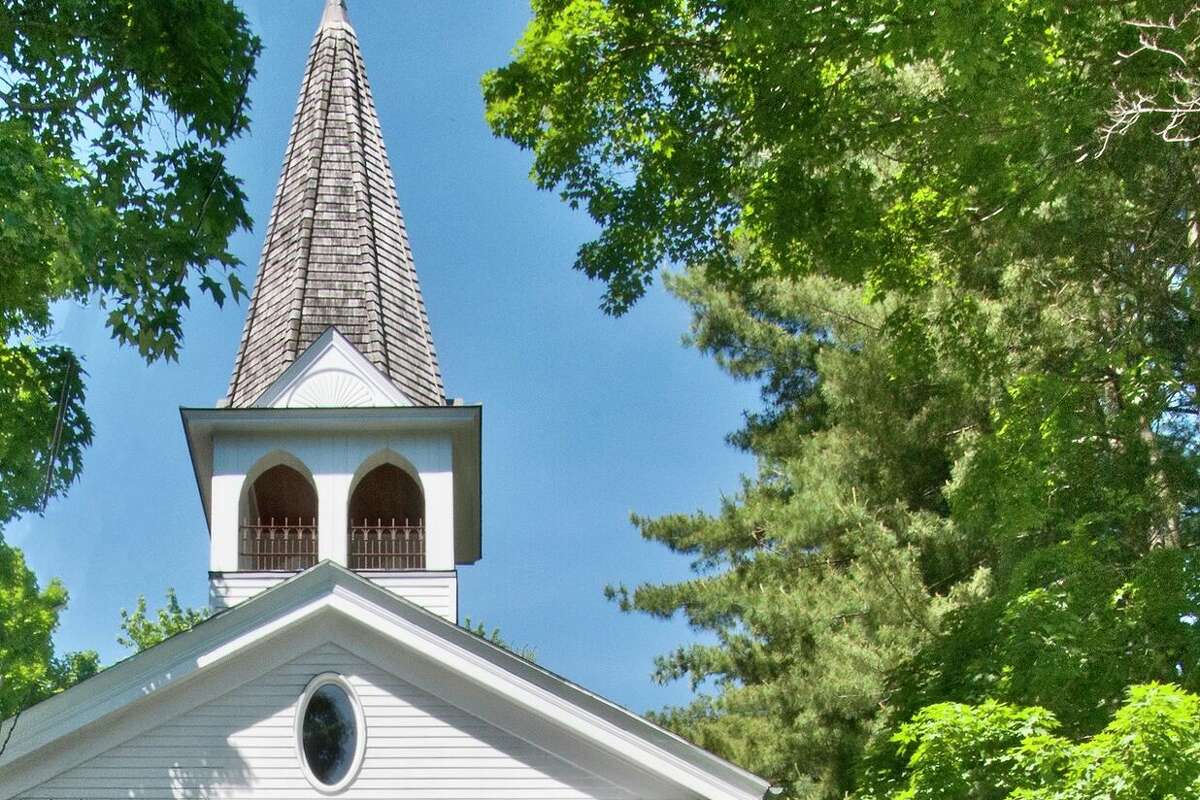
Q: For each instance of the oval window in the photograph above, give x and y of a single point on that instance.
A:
(330, 732)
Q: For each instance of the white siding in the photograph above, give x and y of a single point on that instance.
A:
(435, 591)
(243, 746)
(226, 589)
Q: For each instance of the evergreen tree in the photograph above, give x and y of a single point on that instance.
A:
(956, 244)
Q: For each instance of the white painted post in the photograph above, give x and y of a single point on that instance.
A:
(226, 489)
(439, 519)
(335, 506)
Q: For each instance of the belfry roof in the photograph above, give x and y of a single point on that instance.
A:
(336, 252)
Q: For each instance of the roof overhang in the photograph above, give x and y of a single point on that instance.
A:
(462, 422)
(329, 603)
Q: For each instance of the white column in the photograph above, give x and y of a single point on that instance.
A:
(439, 519)
(228, 477)
(333, 499)
(223, 543)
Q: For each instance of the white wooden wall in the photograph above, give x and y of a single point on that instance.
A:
(243, 746)
(333, 459)
(435, 591)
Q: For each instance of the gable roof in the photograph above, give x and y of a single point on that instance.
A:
(336, 251)
(330, 601)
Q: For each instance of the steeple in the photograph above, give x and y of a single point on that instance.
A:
(336, 252)
(336, 441)
(335, 13)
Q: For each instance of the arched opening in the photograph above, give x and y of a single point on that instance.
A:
(279, 522)
(387, 521)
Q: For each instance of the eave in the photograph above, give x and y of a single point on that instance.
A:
(328, 600)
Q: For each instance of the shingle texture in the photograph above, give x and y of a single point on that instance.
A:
(336, 251)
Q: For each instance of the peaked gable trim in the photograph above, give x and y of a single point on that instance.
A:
(530, 696)
(331, 373)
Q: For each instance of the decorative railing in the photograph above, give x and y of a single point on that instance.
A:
(271, 546)
(391, 545)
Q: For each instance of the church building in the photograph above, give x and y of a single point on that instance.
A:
(342, 493)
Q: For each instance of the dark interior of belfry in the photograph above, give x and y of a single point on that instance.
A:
(282, 493)
(385, 525)
(387, 495)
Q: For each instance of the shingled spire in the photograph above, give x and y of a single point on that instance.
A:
(336, 252)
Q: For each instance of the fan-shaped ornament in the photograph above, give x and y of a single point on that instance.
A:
(331, 389)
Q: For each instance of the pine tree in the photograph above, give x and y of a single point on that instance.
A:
(956, 244)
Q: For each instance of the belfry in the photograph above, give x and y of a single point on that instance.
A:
(335, 440)
(342, 493)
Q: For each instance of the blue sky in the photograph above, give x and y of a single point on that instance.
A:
(586, 418)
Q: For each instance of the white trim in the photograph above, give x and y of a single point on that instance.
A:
(329, 601)
(360, 732)
(548, 705)
(331, 372)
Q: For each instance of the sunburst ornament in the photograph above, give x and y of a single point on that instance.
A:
(331, 389)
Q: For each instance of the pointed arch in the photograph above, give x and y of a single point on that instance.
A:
(386, 514)
(277, 515)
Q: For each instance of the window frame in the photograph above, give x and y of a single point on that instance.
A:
(360, 739)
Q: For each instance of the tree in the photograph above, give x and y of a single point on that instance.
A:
(113, 188)
(495, 637)
(815, 577)
(968, 290)
(29, 669)
(1149, 750)
(141, 632)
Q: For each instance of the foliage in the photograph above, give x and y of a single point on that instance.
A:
(142, 632)
(814, 578)
(955, 243)
(494, 636)
(875, 142)
(1149, 751)
(34, 383)
(29, 669)
(113, 188)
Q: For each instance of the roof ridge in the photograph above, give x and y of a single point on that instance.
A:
(308, 214)
(362, 193)
(324, 589)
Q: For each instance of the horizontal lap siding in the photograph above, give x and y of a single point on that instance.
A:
(243, 746)
(228, 590)
(436, 592)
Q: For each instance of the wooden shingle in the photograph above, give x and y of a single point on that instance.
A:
(336, 251)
